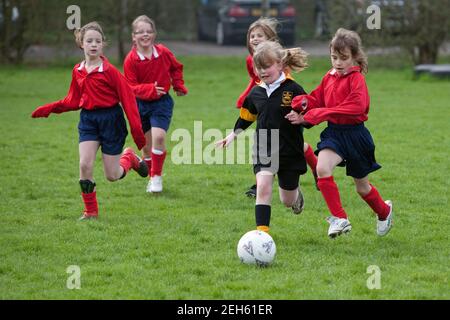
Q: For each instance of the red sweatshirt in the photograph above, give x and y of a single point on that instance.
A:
(104, 87)
(338, 99)
(163, 68)
(254, 80)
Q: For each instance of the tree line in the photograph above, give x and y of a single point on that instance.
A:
(419, 26)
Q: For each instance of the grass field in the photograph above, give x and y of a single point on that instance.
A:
(182, 244)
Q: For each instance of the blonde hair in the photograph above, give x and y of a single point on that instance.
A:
(268, 52)
(146, 19)
(79, 33)
(350, 39)
(269, 27)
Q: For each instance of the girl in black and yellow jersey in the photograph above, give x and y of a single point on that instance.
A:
(278, 143)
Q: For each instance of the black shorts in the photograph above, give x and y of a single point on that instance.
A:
(354, 144)
(288, 172)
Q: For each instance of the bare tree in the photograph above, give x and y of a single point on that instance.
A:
(418, 26)
(265, 8)
(13, 27)
(190, 24)
(122, 28)
(426, 28)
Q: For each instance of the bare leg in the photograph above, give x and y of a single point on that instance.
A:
(147, 149)
(327, 161)
(87, 151)
(111, 165)
(288, 197)
(362, 186)
(264, 181)
(158, 139)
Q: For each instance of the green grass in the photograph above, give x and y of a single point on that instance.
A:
(182, 244)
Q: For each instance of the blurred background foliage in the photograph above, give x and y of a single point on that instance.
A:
(418, 26)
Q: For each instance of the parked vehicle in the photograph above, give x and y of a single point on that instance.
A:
(227, 21)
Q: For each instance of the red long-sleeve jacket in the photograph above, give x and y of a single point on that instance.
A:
(254, 80)
(104, 87)
(163, 68)
(338, 99)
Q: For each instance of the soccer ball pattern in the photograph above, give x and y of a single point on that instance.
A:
(256, 247)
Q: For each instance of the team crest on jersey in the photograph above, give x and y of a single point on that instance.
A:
(286, 99)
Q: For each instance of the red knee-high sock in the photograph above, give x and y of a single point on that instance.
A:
(157, 163)
(377, 204)
(311, 159)
(331, 195)
(148, 161)
(90, 203)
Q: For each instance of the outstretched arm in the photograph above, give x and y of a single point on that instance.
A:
(69, 103)
(246, 117)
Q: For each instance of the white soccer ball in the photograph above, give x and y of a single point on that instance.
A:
(256, 247)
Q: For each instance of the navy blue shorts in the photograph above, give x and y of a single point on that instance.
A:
(354, 144)
(156, 114)
(106, 126)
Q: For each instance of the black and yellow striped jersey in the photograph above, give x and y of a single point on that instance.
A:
(269, 113)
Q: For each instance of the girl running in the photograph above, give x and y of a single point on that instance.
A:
(151, 69)
(279, 144)
(342, 99)
(265, 29)
(97, 88)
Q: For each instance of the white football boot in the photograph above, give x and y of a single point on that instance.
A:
(338, 226)
(383, 227)
(155, 184)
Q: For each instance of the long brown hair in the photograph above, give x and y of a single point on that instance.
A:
(350, 39)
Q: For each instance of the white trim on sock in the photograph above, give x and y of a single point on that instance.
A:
(157, 152)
